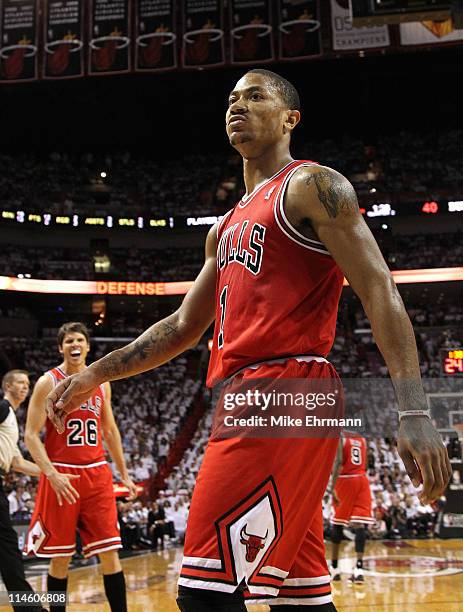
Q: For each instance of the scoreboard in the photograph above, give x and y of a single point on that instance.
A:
(381, 12)
(452, 361)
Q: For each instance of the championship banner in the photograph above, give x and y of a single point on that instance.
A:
(429, 33)
(251, 39)
(155, 37)
(299, 29)
(203, 33)
(348, 38)
(18, 40)
(63, 39)
(109, 42)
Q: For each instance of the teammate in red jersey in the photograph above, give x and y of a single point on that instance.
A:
(76, 486)
(271, 280)
(351, 500)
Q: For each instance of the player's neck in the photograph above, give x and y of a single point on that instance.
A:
(257, 170)
(70, 369)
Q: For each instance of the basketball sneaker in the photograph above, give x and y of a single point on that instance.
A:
(335, 574)
(357, 576)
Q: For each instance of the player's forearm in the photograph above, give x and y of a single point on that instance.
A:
(114, 444)
(157, 345)
(39, 454)
(393, 333)
(19, 464)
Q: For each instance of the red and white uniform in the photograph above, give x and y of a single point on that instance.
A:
(79, 450)
(256, 510)
(277, 291)
(352, 486)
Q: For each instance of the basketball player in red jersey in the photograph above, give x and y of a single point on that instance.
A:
(76, 487)
(272, 280)
(351, 500)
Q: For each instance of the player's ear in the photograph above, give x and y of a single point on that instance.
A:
(291, 120)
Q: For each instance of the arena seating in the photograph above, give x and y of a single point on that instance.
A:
(170, 264)
(66, 183)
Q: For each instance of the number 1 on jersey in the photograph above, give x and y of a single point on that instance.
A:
(223, 308)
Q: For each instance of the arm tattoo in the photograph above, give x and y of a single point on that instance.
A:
(334, 192)
(152, 342)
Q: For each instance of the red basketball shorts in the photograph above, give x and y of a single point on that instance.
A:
(354, 501)
(256, 513)
(52, 531)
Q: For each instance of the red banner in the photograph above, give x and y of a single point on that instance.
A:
(299, 31)
(63, 56)
(109, 41)
(203, 33)
(251, 39)
(155, 35)
(18, 40)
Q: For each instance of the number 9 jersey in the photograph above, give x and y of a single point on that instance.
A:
(81, 442)
(354, 455)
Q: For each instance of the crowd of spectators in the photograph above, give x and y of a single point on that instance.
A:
(151, 411)
(178, 264)
(123, 183)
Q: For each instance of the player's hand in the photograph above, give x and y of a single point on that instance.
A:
(68, 396)
(424, 455)
(132, 487)
(63, 488)
(335, 498)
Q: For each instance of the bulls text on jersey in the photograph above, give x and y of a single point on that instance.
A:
(236, 245)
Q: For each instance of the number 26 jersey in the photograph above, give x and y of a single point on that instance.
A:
(81, 442)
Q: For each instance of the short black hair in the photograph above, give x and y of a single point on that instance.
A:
(286, 89)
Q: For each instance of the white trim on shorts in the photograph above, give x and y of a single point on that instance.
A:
(312, 581)
(90, 553)
(202, 562)
(71, 465)
(204, 584)
(273, 571)
(50, 555)
(114, 539)
(289, 601)
(298, 358)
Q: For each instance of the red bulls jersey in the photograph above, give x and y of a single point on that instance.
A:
(81, 442)
(277, 291)
(354, 455)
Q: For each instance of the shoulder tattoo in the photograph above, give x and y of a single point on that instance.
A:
(334, 192)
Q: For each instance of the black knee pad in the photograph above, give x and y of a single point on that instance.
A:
(203, 600)
(336, 534)
(360, 537)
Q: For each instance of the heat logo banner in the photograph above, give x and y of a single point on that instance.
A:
(109, 44)
(299, 31)
(18, 40)
(155, 38)
(63, 40)
(251, 29)
(203, 33)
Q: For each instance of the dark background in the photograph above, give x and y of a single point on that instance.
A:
(366, 97)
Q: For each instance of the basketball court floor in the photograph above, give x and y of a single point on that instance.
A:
(401, 576)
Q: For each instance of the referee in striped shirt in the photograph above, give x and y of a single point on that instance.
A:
(15, 385)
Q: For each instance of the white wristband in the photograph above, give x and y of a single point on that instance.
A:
(404, 413)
